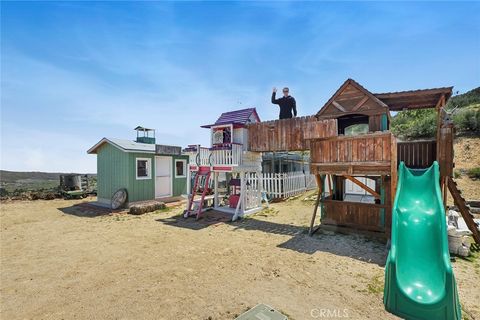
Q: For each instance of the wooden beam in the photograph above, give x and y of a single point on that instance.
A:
(360, 103)
(441, 102)
(319, 196)
(330, 183)
(338, 106)
(363, 186)
(464, 209)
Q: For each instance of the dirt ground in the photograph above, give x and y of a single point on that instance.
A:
(467, 156)
(59, 263)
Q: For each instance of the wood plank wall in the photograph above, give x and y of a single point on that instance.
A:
(364, 216)
(375, 122)
(288, 134)
(417, 154)
(374, 147)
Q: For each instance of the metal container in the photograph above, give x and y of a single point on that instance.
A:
(70, 182)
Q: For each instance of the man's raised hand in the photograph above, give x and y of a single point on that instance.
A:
(274, 90)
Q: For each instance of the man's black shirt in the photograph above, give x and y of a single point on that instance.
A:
(287, 104)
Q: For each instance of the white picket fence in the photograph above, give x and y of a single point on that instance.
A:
(283, 185)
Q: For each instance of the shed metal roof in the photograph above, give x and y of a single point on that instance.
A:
(241, 117)
(124, 145)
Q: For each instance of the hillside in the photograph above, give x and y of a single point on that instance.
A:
(13, 176)
(33, 180)
(464, 100)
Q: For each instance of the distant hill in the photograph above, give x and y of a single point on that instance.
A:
(33, 180)
(12, 176)
(466, 99)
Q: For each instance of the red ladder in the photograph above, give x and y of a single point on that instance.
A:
(202, 172)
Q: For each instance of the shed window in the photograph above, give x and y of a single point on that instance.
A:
(180, 168)
(144, 168)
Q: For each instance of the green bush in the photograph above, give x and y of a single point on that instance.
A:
(467, 120)
(474, 173)
(412, 124)
(457, 174)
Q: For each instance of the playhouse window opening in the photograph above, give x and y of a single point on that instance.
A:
(356, 129)
(353, 124)
(180, 168)
(143, 168)
(355, 193)
(222, 135)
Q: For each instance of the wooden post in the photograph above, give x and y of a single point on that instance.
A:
(330, 182)
(445, 192)
(215, 189)
(259, 188)
(319, 196)
(239, 211)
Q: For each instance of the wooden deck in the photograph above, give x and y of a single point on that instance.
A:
(364, 154)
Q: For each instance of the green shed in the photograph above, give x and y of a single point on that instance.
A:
(147, 171)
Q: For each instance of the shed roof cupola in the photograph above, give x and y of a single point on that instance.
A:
(145, 135)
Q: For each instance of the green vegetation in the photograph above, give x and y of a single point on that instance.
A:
(468, 119)
(415, 124)
(474, 173)
(376, 285)
(457, 174)
(464, 100)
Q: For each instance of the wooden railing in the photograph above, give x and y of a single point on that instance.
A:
(221, 155)
(198, 155)
(227, 155)
(288, 134)
(417, 154)
(362, 154)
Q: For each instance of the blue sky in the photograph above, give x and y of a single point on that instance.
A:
(74, 72)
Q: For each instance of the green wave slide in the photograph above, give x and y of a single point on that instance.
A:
(419, 281)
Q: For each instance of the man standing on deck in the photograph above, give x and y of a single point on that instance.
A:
(287, 104)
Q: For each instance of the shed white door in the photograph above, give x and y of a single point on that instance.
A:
(163, 177)
(352, 188)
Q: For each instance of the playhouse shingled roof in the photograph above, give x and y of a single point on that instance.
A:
(239, 117)
(124, 145)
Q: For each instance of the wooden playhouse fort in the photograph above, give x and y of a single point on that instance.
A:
(228, 155)
(348, 140)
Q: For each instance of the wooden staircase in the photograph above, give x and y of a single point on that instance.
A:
(464, 209)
